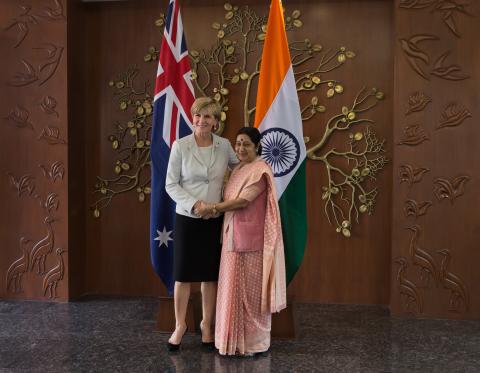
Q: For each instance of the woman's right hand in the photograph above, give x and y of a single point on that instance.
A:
(202, 209)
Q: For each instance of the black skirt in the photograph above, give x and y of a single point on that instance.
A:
(197, 249)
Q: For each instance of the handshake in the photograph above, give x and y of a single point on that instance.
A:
(204, 210)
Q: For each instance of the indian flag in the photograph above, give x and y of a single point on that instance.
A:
(279, 120)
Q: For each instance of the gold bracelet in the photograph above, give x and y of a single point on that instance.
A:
(214, 209)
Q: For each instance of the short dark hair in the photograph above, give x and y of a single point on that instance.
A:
(254, 135)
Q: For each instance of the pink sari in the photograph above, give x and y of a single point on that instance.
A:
(251, 284)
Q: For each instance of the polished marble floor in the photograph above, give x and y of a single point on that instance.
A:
(117, 335)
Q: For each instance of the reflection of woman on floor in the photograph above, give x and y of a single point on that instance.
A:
(251, 283)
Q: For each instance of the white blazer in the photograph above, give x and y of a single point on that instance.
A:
(189, 179)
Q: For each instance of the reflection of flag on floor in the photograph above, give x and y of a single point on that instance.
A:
(171, 120)
(279, 119)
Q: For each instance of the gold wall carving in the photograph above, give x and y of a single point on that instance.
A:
(231, 67)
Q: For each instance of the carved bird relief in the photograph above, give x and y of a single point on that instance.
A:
(415, 55)
(450, 8)
(54, 13)
(18, 268)
(450, 281)
(450, 72)
(48, 68)
(43, 247)
(21, 79)
(22, 23)
(411, 175)
(54, 276)
(408, 289)
(422, 258)
(444, 188)
(416, 4)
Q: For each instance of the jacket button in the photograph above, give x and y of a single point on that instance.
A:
(206, 181)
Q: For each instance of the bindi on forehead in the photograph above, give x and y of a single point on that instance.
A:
(244, 140)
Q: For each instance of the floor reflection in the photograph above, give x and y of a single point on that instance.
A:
(119, 336)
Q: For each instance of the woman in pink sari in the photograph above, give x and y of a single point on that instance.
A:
(251, 283)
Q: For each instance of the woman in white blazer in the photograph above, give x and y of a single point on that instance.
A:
(195, 176)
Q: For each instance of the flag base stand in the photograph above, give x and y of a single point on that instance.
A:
(283, 322)
(166, 314)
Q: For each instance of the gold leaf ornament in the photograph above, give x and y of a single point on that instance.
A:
(358, 136)
(346, 232)
(297, 23)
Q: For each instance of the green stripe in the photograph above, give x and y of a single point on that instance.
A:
(293, 211)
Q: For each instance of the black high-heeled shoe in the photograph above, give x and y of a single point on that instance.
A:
(207, 345)
(172, 347)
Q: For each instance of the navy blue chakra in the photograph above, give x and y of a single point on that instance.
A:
(281, 150)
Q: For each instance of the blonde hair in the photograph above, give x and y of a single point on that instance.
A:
(208, 104)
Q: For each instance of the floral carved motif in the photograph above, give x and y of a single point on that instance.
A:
(417, 102)
(416, 209)
(450, 189)
(51, 135)
(413, 135)
(411, 175)
(56, 171)
(453, 115)
(19, 117)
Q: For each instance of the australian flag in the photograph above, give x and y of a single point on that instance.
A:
(171, 120)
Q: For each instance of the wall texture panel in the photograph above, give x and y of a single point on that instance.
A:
(62, 108)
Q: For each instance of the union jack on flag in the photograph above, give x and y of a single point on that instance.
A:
(171, 120)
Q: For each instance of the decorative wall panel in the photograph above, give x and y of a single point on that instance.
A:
(33, 171)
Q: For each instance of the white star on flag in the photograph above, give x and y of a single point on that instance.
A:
(163, 237)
